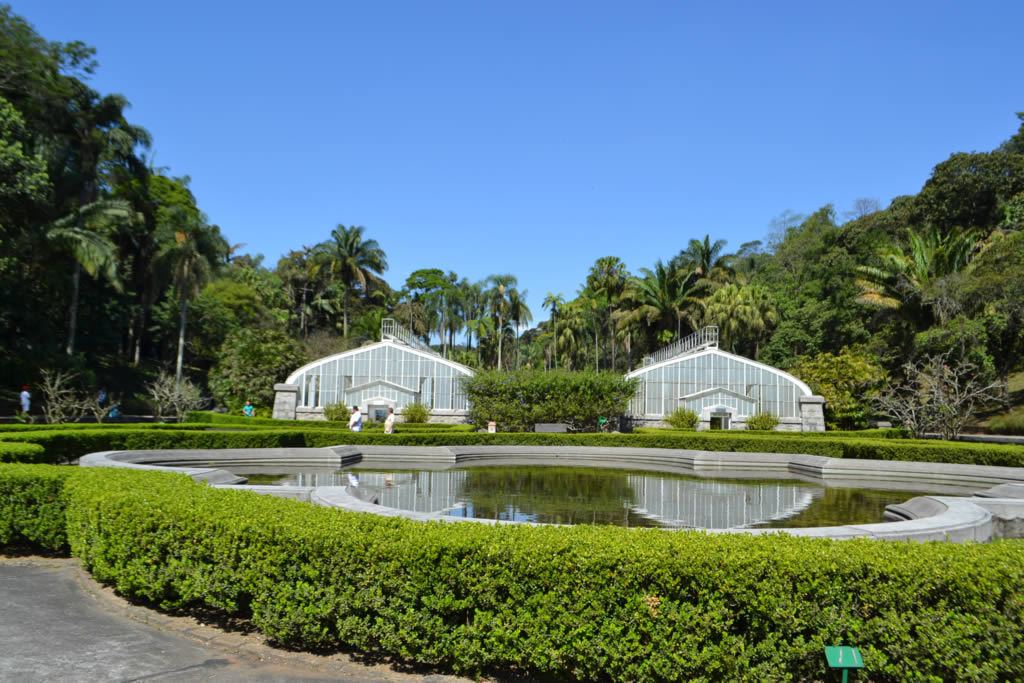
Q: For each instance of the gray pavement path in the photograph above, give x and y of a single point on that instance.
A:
(57, 624)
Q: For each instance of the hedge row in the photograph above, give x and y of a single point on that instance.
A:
(888, 433)
(202, 417)
(64, 446)
(32, 507)
(586, 603)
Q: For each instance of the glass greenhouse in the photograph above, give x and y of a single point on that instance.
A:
(389, 374)
(722, 388)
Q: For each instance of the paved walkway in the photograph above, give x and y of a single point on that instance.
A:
(57, 624)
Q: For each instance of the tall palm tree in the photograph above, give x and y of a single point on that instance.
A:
(96, 133)
(903, 278)
(472, 301)
(731, 310)
(498, 303)
(608, 278)
(741, 314)
(193, 251)
(481, 326)
(663, 296)
(353, 260)
(85, 234)
(707, 260)
(764, 314)
(553, 302)
(519, 313)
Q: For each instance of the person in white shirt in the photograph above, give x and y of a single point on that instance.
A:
(355, 422)
(26, 399)
(389, 423)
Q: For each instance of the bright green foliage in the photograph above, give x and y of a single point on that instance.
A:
(250, 363)
(518, 400)
(23, 178)
(587, 603)
(847, 380)
(416, 413)
(682, 418)
(763, 422)
(32, 506)
(337, 412)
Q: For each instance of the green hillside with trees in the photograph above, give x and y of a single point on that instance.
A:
(111, 273)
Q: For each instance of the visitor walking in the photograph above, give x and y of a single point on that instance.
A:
(355, 422)
(26, 400)
(249, 410)
(389, 423)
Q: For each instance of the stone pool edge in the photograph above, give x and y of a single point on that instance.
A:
(997, 512)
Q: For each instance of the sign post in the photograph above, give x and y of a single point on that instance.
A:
(844, 657)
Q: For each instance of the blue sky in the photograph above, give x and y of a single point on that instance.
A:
(534, 137)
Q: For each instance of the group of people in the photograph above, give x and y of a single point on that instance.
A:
(355, 421)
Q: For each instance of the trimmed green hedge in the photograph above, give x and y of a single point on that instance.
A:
(199, 417)
(32, 507)
(11, 451)
(66, 445)
(587, 603)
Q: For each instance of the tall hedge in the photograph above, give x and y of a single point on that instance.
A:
(518, 400)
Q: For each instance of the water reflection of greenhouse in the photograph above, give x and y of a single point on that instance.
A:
(670, 501)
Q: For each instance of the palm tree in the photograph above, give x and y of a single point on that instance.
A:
(481, 327)
(662, 296)
(707, 261)
(903, 279)
(498, 304)
(83, 233)
(553, 302)
(352, 260)
(96, 133)
(193, 252)
(518, 313)
(731, 311)
(608, 278)
(742, 313)
(472, 302)
(764, 314)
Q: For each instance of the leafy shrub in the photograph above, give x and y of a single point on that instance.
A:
(250, 362)
(763, 422)
(337, 412)
(518, 400)
(416, 413)
(32, 507)
(848, 381)
(683, 418)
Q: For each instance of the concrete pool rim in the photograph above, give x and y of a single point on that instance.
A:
(995, 511)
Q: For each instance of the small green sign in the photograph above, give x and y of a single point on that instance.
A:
(844, 657)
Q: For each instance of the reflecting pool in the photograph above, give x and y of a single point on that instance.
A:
(588, 495)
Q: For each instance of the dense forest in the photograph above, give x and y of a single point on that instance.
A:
(110, 269)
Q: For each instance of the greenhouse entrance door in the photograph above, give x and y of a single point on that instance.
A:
(720, 420)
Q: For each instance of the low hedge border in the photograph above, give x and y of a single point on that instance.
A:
(203, 417)
(586, 603)
(32, 507)
(66, 445)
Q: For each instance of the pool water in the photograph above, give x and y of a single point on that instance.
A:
(588, 495)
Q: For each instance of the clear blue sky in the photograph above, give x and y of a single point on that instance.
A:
(534, 137)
